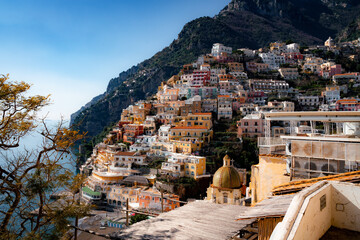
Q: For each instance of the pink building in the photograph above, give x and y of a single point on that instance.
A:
(347, 105)
(292, 57)
(330, 69)
(201, 78)
(224, 58)
(251, 126)
(257, 97)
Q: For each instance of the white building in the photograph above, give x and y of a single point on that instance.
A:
(293, 48)
(268, 85)
(309, 102)
(164, 133)
(331, 94)
(289, 73)
(219, 48)
(239, 75)
(248, 52)
(124, 158)
(209, 105)
(274, 61)
(224, 107)
(214, 78)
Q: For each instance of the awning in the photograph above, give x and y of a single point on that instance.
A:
(90, 192)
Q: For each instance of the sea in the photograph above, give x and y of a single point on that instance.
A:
(33, 142)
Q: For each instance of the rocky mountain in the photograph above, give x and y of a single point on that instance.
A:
(351, 32)
(242, 23)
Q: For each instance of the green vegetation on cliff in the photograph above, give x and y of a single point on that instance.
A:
(243, 23)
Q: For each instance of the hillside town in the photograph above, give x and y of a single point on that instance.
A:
(298, 105)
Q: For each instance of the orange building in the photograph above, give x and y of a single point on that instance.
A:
(236, 67)
(347, 105)
(196, 119)
(201, 133)
(151, 199)
(132, 131)
(194, 107)
(225, 77)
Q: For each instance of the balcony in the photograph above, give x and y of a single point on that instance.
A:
(271, 145)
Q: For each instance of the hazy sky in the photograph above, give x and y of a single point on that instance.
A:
(72, 48)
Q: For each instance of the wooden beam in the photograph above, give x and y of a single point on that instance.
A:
(127, 212)
(91, 232)
(251, 229)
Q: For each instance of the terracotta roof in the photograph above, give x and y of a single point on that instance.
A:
(189, 127)
(296, 186)
(347, 100)
(125, 153)
(201, 113)
(347, 74)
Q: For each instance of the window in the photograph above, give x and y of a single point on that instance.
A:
(225, 195)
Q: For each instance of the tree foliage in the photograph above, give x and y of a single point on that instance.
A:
(29, 176)
(138, 218)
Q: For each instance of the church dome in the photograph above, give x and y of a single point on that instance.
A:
(227, 176)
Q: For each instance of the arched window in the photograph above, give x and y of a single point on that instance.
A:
(327, 168)
(312, 167)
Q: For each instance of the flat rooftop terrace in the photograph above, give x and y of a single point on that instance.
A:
(335, 233)
(334, 116)
(196, 220)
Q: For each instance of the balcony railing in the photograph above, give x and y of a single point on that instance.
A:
(270, 141)
(271, 145)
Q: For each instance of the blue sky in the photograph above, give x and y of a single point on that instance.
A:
(72, 48)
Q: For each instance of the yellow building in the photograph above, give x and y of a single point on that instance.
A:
(108, 177)
(201, 133)
(276, 46)
(195, 166)
(268, 173)
(118, 195)
(196, 119)
(187, 146)
(209, 59)
(172, 81)
(104, 157)
(235, 67)
(185, 165)
(135, 114)
(226, 186)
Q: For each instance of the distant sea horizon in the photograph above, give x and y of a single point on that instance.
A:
(33, 140)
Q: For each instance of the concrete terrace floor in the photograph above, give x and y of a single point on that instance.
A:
(340, 234)
(196, 220)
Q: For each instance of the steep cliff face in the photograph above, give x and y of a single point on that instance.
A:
(243, 23)
(317, 18)
(351, 32)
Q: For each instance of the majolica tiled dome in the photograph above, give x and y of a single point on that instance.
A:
(227, 176)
